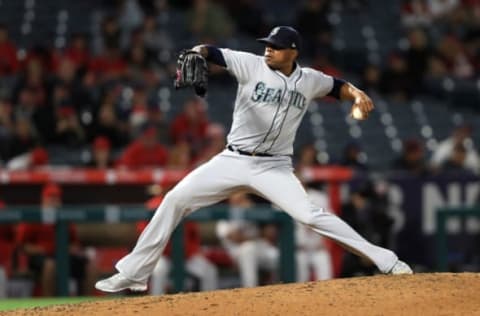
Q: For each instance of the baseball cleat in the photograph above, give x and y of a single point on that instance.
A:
(400, 267)
(117, 283)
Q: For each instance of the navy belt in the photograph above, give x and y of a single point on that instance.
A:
(246, 153)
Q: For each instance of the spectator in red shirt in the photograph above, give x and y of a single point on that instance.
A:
(145, 151)
(78, 51)
(101, 154)
(191, 125)
(37, 241)
(8, 54)
(109, 124)
(214, 145)
(196, 263)
(109, 65)
(180, 157)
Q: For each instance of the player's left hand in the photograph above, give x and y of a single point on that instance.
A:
(364, 103)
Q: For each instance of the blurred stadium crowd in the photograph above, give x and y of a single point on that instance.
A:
(89, 84)
(99, 81)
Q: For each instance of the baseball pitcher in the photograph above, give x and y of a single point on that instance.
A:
(272, 97)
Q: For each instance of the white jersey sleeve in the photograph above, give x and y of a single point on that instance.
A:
(320, 83)
(241, 65)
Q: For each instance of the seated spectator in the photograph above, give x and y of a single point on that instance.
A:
(196, 263)
(412, 158)
(180, 156)
(446, 148)
(250, 248)
(156, 38)
(34, 77)
(190, 125)
(69, 131)
(156, 117)
(144, 152)
(396, 81)
(437, 68)
(417, 56)
(140, 112)
(140, 65)
(371, 79)
(110, 126)
(451, 49)
(109, 37)
(215, 143)
(456, 162)
(78, 51)
(101, 154)
(109, 65)
(26, 104)
(37, 241)
(67, 84)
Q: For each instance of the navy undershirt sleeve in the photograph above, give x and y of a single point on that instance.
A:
(337, 86)
(215, 56)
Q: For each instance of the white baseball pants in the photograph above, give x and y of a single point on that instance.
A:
(270, 177)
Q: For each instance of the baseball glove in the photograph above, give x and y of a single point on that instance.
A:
(192, 71)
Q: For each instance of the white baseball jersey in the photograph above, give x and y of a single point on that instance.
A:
(269, 105)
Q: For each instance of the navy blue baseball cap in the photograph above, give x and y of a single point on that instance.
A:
(282, 37)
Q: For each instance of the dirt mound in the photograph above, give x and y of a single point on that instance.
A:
(420, 294)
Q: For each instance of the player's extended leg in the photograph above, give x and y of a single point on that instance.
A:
(281, 187)
(208, 184)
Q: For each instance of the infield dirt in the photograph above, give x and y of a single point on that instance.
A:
(419, 294)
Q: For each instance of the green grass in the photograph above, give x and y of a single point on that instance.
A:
(14, 303)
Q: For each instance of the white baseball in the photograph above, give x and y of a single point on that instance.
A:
(357, 113)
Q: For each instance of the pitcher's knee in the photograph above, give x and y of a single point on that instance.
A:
(175, 198)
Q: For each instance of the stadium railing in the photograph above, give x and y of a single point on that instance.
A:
(113, 214)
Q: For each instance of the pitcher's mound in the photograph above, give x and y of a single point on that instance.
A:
(419, 294)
